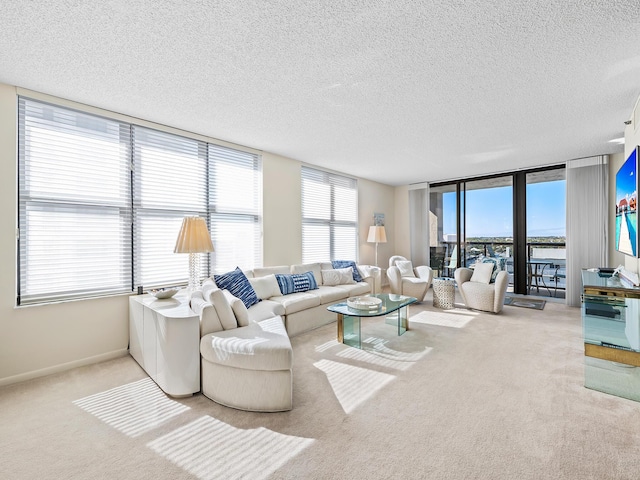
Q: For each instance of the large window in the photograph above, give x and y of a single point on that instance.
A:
(101, 203)
(329, 216)
(516, 219)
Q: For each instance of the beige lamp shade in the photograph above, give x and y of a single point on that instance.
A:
(194, 236)
(377, 235)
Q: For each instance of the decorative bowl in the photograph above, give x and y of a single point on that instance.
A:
(364, 303)
(162, 293)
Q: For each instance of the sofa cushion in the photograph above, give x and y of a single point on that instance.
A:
(265, 287)
(338, 276)
(265, 309)
(297, 302)
(238, 284)
(330, 294)
(262, 271)
(295, 282)
(360, 288)
(482, 272)
(314, 268)
(223, 309)
(262, 345)
(348, 263)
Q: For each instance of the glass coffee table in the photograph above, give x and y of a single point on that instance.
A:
(393, 307)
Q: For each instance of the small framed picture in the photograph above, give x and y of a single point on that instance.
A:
(378, 219)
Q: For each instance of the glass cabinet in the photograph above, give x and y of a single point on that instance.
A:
(611, 329)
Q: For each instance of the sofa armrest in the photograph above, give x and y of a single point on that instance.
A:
(462, 275)
(424, 272)
(501, 285)
(372, 275)
(395, 280)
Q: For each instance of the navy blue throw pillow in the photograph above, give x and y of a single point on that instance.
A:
(237, 283)
(296, 282)
(346, 264)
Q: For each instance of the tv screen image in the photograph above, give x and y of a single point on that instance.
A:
(626, 206)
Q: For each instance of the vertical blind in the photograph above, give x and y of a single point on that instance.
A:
(74, 204)
(329, 216)
(101, 203)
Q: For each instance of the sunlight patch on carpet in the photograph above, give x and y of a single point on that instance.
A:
(450, 318)
(211, 449)
(134, 408)
(352, 385)
(375, 351)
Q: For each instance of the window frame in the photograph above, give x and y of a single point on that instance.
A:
(333, 222)
(129, 209)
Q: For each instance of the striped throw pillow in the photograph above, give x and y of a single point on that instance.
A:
(237, 283)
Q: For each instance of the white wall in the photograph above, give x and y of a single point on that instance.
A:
(42, 339)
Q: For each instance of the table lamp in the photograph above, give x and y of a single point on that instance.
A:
(194, 239)
(377, 235)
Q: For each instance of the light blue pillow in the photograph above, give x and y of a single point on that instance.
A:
(499, 264)
(346, 264)
(296, 282)
(237, 284)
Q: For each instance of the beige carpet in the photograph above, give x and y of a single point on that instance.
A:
(462, 395)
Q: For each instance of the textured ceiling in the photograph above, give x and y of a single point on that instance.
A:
(393, 91)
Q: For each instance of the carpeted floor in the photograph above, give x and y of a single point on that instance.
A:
(462, 395)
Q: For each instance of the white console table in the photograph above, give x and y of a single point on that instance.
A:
(164, 338)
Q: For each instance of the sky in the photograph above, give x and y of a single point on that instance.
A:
(490, 211)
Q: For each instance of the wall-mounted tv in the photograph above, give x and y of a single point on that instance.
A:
(626, 206)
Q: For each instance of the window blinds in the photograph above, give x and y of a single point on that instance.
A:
(101, 203)
(169, 183)
(74, 204)
(235, 206)
(329, 216)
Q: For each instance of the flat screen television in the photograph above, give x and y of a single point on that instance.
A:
(626, 206)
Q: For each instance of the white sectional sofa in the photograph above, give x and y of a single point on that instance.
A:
(245, 352)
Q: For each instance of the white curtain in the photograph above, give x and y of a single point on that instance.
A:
(419, 225)
(587, 220)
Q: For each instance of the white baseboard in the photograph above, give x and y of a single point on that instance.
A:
(63, 367)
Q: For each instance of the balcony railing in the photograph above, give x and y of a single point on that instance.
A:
(546, 262)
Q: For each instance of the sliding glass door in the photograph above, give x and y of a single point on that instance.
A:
(516, 220)
(546, 233)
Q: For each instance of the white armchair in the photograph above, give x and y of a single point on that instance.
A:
(480, 295)
(404, 279)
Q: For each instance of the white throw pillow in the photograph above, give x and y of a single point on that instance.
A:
(406, 268)
(482, 272)
(265, 287)
(223, 309)
(239, 309)
(339, 276)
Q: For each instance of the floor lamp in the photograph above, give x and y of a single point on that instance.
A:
(377, 235)
(194, 239)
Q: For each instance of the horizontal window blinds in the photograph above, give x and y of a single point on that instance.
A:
(74, 204)
(329, 216)
(235, 197)
(101, 203)
(169, 183)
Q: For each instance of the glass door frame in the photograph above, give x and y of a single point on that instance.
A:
(520, 253)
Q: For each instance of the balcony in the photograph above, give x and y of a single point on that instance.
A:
(546, 263)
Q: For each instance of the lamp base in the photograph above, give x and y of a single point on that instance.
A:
(194, 273)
